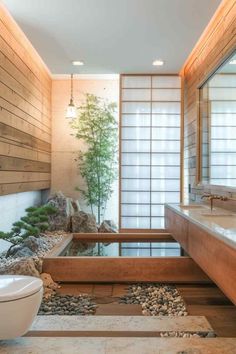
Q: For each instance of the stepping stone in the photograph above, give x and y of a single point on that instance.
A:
(83, 345)
(109, 326)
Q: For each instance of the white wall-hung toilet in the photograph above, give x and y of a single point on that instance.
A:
(20, 299)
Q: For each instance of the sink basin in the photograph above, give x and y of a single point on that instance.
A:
(192, 206)
(226, 222)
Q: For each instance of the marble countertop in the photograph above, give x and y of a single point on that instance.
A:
(221, 223)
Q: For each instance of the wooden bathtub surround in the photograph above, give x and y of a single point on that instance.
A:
(127, 237)
(216, 258)
(121, 269)
(124, 269)
(60, 247)
(25, 106)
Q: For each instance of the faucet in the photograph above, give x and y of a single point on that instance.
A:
(211, 198)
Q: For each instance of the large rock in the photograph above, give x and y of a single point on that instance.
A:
(49, 285)
(23, 252)
(83, 222)
(27, 249)
(108, 226)
(19, 251)
(33, 243)
(20, 266)
(66, 209)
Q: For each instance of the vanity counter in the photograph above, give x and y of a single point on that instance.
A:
(210, 240)
(220, 223)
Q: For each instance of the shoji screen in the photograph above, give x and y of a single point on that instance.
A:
(149, 149)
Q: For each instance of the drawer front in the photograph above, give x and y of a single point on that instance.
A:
(178, 227)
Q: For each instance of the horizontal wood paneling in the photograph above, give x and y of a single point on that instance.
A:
(8, 163)
(25, 112)
(10, 188)
(215, 45)
(16, 176)
(18, 64)
(22, 47)
(24, 139)
(18, 113)
(14, 150)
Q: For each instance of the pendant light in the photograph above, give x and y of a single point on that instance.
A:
(71, 111)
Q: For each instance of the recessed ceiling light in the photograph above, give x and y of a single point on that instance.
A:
(233, 62)
(77, 62)
(158, 62)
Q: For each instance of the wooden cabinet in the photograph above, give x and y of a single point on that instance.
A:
(216, 258)
(177, 226)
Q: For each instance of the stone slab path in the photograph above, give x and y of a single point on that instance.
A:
(32, 345)
(110, 325)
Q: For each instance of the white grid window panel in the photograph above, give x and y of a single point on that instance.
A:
(150, 148)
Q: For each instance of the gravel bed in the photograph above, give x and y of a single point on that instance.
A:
(156, 299)
(67, 305)
(49, 240)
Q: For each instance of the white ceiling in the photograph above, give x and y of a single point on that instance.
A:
(113, 36)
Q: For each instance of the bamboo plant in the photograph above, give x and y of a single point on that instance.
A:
(97, 127)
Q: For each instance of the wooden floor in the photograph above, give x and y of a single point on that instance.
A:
(210, 302)
(204, 300)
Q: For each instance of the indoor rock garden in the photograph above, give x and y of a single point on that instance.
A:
(41, 229)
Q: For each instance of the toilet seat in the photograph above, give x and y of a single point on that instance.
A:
(14, 287)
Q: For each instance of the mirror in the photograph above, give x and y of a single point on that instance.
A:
(217, 126)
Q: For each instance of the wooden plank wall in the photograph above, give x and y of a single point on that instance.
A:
(216, 43)
(25, 112)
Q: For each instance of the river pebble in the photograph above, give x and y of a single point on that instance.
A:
(156, 299)
(68, 305)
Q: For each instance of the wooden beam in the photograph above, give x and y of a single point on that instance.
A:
(124, 237)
